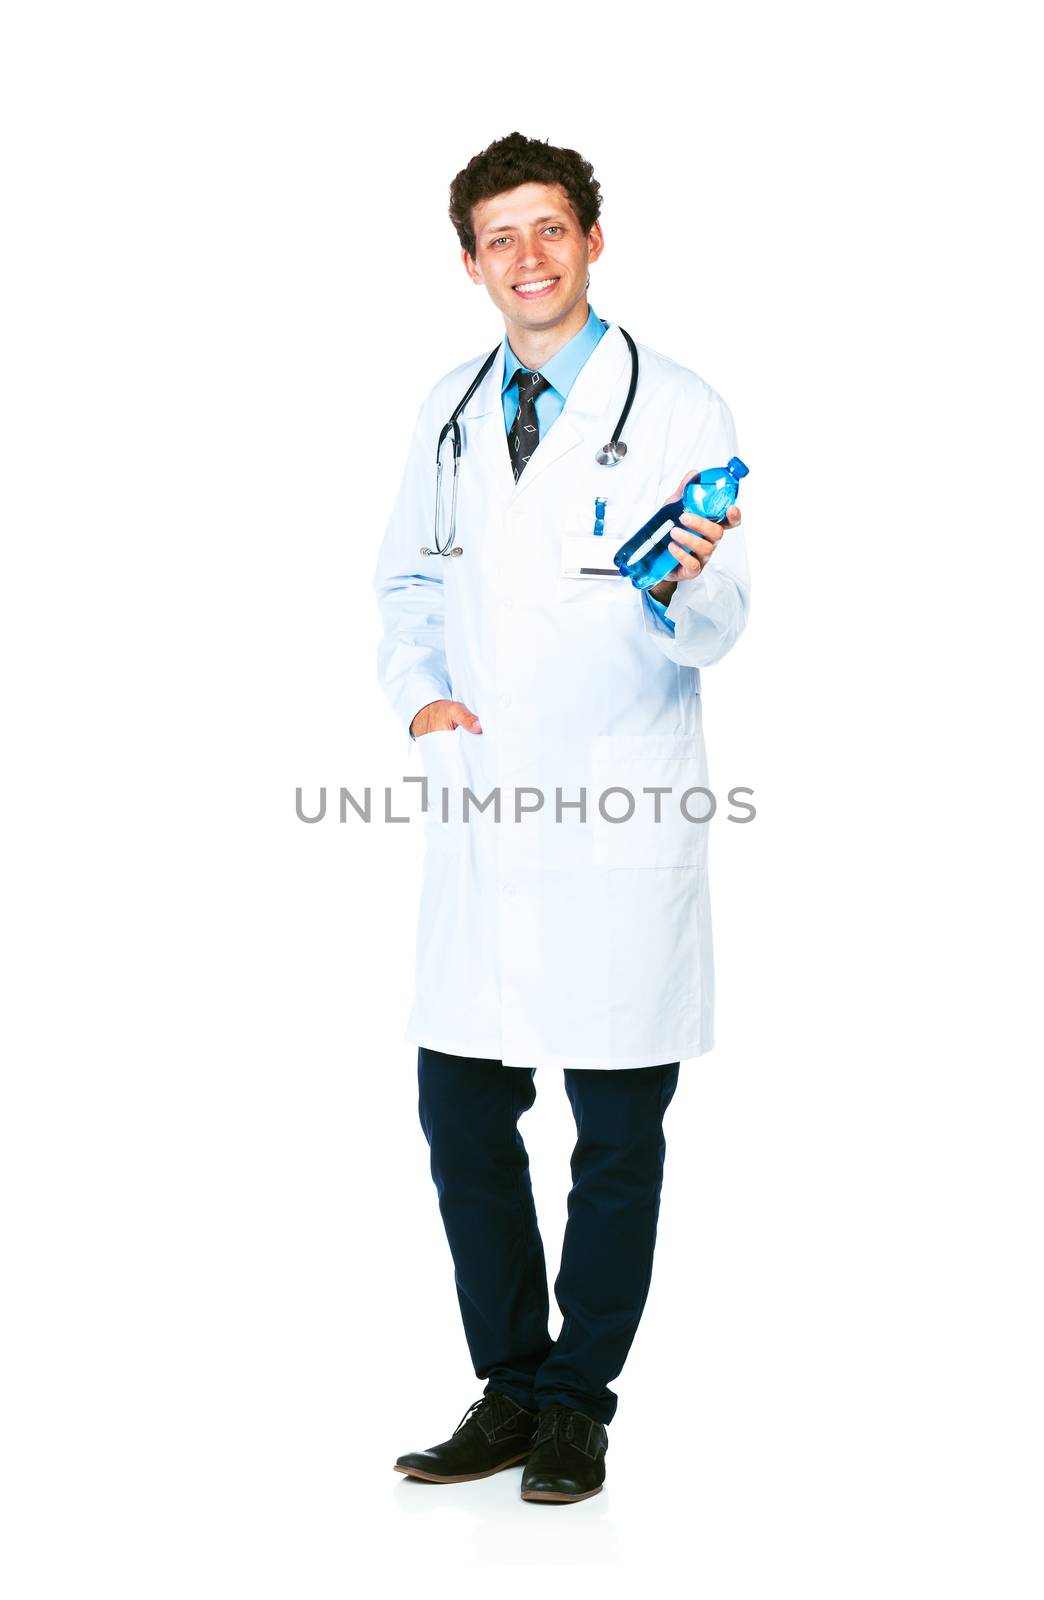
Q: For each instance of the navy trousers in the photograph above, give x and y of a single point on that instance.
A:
(469, 1110)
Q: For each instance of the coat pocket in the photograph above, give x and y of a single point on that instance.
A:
(650, 803)
(620, 521)
(442, 761)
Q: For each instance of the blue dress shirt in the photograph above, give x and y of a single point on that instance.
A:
(561, 373)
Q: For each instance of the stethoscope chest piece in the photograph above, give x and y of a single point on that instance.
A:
(611, 454)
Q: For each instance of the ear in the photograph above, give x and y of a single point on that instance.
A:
(595, 242)
(470, 268)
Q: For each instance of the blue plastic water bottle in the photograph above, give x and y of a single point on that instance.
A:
(645, 558)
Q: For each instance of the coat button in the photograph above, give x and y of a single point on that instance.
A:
(507, 604)
(505, 699)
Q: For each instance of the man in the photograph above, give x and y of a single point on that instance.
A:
(563, 923)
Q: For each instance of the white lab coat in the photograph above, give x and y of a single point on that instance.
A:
(578, 942)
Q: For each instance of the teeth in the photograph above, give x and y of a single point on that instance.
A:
(533, 288)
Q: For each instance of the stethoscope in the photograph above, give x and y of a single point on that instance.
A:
(610, 455)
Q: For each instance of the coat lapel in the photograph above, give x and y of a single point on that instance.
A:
(484, 433)
(588, 402)
(591, 398)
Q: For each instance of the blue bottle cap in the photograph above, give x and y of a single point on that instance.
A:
(737, 468)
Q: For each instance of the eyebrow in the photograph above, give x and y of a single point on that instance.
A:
(505, 227)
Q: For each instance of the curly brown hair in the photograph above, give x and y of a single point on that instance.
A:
(514, 160)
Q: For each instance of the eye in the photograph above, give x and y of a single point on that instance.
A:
(554, 228)
(501, 239)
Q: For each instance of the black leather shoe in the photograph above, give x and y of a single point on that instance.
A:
(567, 1461)
(493, 1433)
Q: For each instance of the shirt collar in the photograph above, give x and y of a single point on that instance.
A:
(562, 368)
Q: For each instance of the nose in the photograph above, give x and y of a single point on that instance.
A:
(529, 252)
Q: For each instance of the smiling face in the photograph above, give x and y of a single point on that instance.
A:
(531, 256)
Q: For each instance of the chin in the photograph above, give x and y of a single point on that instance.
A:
(544, 310)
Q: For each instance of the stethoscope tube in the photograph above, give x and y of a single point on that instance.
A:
(610, 455)
(453, 427)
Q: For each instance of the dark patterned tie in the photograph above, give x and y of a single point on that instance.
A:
(525, 434)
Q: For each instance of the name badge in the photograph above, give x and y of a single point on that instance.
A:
(584, 556)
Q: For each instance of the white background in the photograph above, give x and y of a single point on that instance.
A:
(229, 282)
